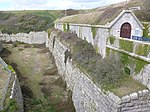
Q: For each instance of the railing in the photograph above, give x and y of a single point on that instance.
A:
(141, 38)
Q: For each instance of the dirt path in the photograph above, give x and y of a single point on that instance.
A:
(43, 89)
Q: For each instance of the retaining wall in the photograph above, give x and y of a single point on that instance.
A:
(12, 88)
(87, 97)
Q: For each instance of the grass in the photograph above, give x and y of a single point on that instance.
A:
(127, 86)
(104, 15)
(31, 65)
(126, 45)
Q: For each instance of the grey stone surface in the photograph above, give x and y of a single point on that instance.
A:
(31, 38)
(15, 90)
(87, 97)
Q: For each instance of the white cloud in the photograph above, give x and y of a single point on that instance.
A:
(56, 4)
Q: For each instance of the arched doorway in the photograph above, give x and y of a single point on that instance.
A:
(125, 30)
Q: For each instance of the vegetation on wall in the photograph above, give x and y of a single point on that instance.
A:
(143, 49)
(12, 106)
(127, 60)
(112, 39)
(64, 27)
(89, 62)
(11, 68)
(94, 31)
(146, 31)
(126, 45)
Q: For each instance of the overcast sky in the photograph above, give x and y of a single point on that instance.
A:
(53, 4)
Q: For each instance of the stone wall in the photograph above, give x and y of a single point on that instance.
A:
(94, 34)
(12, 88)
(136, 49)
(87, 97)
(132, 47)
(31, 38)
(17, 94)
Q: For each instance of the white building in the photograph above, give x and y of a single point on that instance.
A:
(126, 25)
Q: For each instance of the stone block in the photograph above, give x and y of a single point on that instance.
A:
(134, 96)
(125, 99)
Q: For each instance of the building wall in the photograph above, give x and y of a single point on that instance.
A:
(127, 17)
(84, 31)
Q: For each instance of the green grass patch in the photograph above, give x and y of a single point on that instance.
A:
(146, 31)
(64, 27)
(11, 68)
(112, 39)
(12, 106)
(127, 85)
(127, 60)
(143, 49)
(139, 64)
(126, 45)
(94, 32)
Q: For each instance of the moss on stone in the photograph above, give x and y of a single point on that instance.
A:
(145, 31)
(97, 50)
(139, 64)
(107, 51)
(142, 49)
(64, 27)
(94, 31)
(11, 68)
(127, 60)
(112, 39)
(126, 45)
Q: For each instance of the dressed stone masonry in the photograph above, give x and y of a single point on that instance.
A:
(87, 97)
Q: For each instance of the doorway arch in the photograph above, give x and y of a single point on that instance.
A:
(125, 30)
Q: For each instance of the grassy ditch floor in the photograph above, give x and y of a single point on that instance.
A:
(43, 89)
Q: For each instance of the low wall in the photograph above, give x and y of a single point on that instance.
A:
(31, 38)
(12, 88)
(87, 97)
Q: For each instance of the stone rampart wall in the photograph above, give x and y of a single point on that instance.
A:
(88, 97)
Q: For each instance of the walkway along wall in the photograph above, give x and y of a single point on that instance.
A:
(87, 97)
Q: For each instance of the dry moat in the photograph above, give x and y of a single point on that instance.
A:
(42, 87)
